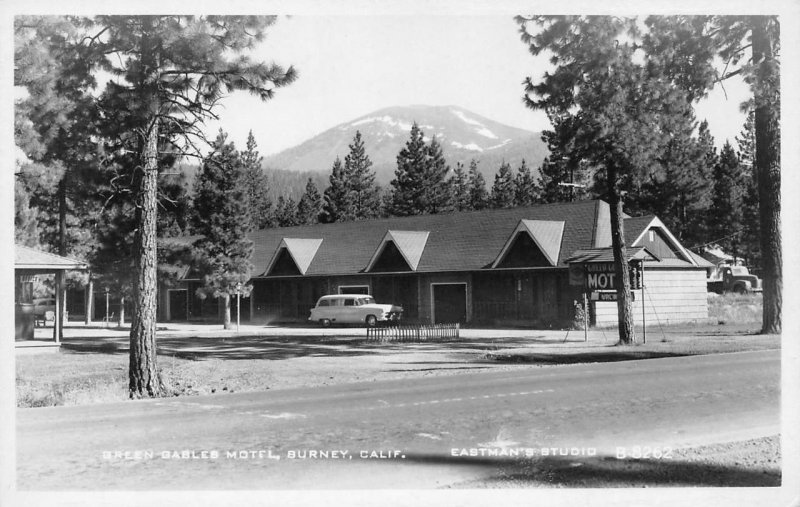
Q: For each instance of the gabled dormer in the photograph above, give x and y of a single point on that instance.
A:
(657, 239)
(534, 243)
(399, 251)
(293, 256)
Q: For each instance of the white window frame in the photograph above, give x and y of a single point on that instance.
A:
(342, 289)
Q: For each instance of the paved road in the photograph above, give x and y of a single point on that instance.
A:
(420, 433)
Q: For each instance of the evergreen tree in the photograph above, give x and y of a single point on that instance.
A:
(526, 192)
(437, 189)
(459, 185)
(335, 205)
(309, 207)
(562, 176)
(171, 73)
(621, 110)
(690, 47)
(478, 196)
(221, 217)
(726, 215)
(503, 190)
(56, 128)
(408, 194)
(363, 199)
(256, 185)
(286, 212)
(678, 186)
(750, 244)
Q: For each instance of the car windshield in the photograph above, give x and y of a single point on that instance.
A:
(367, 301)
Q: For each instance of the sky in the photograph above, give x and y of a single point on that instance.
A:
(352, 65)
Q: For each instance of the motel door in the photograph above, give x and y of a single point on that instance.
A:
(450, 303)
(178, 304)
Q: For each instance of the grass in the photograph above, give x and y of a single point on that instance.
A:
(732, 308)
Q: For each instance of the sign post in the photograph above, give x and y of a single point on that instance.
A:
(107, 306)
(644, 324)
(585, 317)
(238, 304)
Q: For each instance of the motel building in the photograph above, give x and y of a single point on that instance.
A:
(515, 267)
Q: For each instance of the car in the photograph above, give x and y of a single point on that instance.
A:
(43, 305)
(353, 309)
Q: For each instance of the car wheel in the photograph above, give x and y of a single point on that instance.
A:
(741, 289)
(325, 322)
(371, 321)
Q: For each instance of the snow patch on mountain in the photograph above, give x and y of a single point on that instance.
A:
(480, 127)
(383, 119)
(499, 145)
(470, 146)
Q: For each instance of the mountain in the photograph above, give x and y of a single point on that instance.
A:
(464, 135)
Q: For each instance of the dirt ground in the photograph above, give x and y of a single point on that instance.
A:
(203, 359)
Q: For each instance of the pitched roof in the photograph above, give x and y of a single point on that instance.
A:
(30, 258)
(546, 234)
(411, 244)
(464, 241)
(302, 251)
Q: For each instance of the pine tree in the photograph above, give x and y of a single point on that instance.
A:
(690, 47)
(363, 195)
(478, 196)
(561, 172)
(459, 185)
(309, 207)
(621, 111)
(256, 185)
(678, 186)
(750, 244)
(726, 214)
(336, 196)
(286, 212)
(437, 189)
(221, 217)
(163, 95)
(503, 191)
(526, 192)
(408, 194)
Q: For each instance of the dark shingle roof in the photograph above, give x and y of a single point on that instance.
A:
(635, 226)
(465, 241)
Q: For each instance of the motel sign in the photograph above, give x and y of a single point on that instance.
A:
(601, 276)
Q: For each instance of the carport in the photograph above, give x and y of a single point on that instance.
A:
(28, 264)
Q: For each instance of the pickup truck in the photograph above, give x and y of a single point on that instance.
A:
(735, 279)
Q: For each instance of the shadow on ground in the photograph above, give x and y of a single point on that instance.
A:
(276, 348)
(606, 472)
(601, 356)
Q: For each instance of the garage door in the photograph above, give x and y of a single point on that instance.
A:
(450, 303)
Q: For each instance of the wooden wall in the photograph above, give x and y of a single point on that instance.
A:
(671, 296)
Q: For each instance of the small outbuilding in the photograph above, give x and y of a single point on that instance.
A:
(28, 264)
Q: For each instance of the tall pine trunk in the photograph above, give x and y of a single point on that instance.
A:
(144, 377)
(226, 311)
(768, 174)
(121, 319)
(61, 285)
(627, 333)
